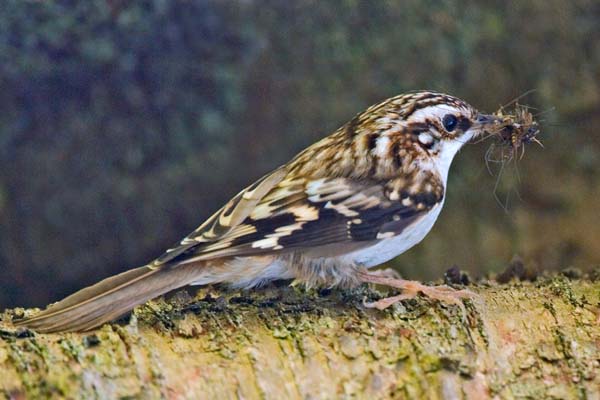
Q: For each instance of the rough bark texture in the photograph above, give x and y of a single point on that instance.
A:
(523, 340)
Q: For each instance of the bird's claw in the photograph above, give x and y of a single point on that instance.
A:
(411, 289)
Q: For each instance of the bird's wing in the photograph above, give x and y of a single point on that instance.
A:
(229, 217)
(296, 214)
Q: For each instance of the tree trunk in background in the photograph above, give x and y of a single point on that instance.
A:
(523, 340)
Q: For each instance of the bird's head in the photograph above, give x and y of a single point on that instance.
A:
(390, 136)
(440, 117)
(439, 123)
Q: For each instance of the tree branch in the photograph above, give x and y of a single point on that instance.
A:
(531, 340)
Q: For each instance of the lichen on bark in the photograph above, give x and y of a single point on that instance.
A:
(520, 340)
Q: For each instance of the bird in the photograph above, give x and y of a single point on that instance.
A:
(349, 202)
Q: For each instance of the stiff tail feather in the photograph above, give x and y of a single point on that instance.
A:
(110, 298)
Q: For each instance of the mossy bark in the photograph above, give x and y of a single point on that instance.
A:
(522, 340)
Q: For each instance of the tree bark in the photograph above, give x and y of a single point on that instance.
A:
(522, 340)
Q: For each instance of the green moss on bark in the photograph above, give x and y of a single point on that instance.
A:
(522, 340)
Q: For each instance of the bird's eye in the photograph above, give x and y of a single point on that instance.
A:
(449, 121)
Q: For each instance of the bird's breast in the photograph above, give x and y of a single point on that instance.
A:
(388, 248)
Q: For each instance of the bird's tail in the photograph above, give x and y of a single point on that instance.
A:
(110, 298)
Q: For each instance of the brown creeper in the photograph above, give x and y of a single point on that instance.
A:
(357, 198)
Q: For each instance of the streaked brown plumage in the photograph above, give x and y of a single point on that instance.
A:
(351, 201)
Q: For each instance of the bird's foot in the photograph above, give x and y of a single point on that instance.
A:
(411, 289)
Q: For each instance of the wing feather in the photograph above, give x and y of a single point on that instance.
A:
(280, 214)
(228, 218)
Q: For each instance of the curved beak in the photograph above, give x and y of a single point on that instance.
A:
(484, 122)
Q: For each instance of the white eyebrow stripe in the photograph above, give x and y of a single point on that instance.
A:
(437, 110)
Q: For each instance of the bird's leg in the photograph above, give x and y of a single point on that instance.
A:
(411, 289)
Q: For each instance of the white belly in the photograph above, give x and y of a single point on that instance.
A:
(387, 249)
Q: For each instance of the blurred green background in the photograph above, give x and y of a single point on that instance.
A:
(124, 124)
